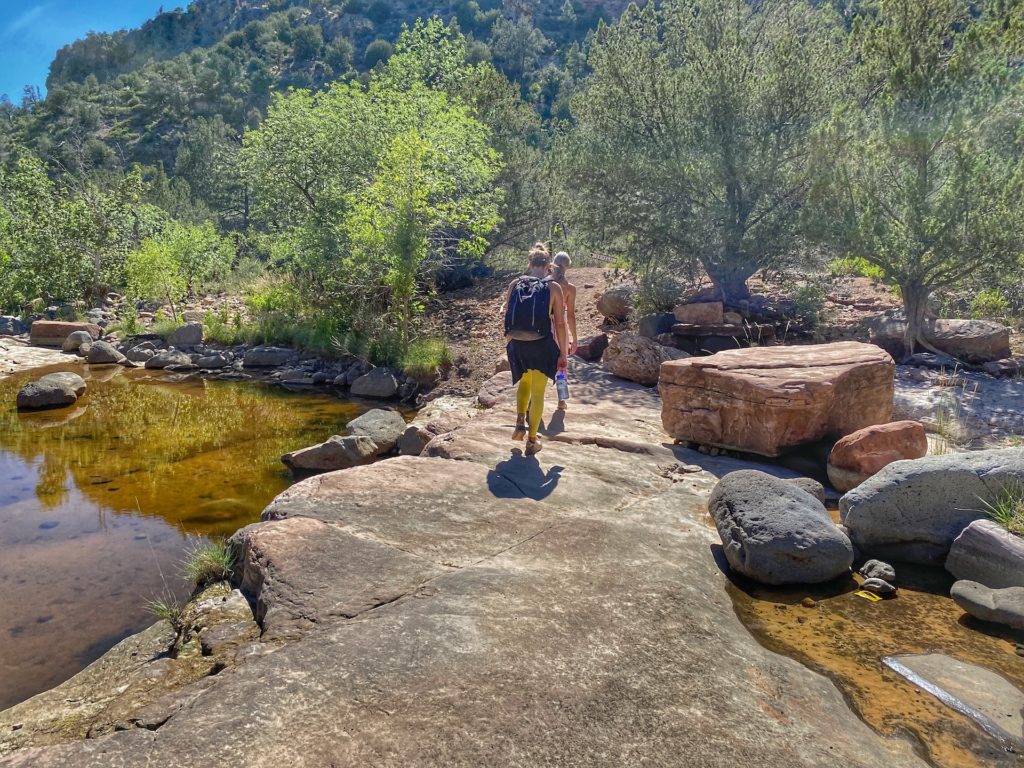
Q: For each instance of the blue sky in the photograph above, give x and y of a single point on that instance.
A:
(31, 32)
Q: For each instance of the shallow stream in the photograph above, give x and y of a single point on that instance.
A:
(99, 502)
(845, 636)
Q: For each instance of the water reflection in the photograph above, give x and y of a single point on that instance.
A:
(97, 500)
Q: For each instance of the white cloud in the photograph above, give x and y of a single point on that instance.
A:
(25, 20)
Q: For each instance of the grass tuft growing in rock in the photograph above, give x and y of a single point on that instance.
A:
(208, 560)
(167, 609)
(1007, 509)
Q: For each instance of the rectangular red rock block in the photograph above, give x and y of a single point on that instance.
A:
(766, 400)
(51, 333)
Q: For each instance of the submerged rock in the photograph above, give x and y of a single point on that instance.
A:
(776, 533)
(54, 390)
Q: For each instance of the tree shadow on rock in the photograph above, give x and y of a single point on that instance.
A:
(521, 477)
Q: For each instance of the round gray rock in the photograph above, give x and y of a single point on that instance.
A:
(380, 383)
(75, 340)
(382, 426)
(266, 357)
(54, 390)
(913, 510)
(103, 353)
(187, 335)
(879, 587)
(776, 533)
(1000, 606)
(168, 358)
(334, 453)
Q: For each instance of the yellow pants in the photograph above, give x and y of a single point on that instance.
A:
(530, 395)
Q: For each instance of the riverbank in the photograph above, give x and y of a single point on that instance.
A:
(559, 609)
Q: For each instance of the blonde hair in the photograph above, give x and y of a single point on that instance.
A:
(560, 262)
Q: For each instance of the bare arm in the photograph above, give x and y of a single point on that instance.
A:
(558, 317)
(508, 298)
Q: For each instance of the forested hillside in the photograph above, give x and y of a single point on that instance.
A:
(338, 170)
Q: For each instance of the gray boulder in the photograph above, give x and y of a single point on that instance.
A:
(168, 358)
(809, 484)
(103, 353)
(776, 533)
(380, 384)
(1000, 606)
(381, 426)
(215, 360)
(334, 453)
(140, 353)
(11, 326)
(187, 335)
(989, 554)
(913, 510)
(653, 325)
(75, 340)
(54, 390)
(876, 569)
(266, 357)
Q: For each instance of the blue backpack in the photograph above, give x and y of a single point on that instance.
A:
(527, 317)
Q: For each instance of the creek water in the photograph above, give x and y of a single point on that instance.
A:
(100, 502)
(832, 629)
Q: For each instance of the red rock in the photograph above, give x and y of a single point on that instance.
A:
(637, 358)
(703, 313)
(51, 333)
(767, 399)
(868, 450)
(592, 347)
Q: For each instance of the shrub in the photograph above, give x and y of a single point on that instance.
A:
(855, 266)
(207, 561)
(808, 302)
(427, 359)
(657, 292)
(988, 304)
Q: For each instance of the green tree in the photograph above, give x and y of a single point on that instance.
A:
(368, 190)
(517, 47)
(692, 133)
(925, 180)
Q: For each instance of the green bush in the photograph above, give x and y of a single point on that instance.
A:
(809, 302)
(427, 359)
(989, 303)
(855, 266)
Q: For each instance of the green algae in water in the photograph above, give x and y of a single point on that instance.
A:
(98, 502)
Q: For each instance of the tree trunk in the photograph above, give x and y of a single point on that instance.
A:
(730, 280)
(915, 303)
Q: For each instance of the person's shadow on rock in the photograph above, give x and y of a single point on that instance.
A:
(521, 477)
(556, 424)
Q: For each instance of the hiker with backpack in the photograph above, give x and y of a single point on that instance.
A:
(537, 342)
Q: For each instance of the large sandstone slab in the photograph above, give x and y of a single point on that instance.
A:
(577, 618)
(52, 333)
(768, 399)
(913, 510)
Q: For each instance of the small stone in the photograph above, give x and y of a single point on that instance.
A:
(878, 587)
(808, 602)
(876, 569)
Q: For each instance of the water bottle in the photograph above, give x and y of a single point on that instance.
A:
(561, 386)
